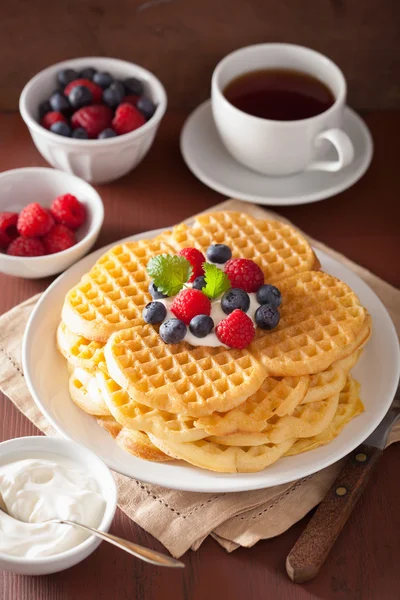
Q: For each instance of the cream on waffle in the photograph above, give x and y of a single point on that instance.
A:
(280, 250)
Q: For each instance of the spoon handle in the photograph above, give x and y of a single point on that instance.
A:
(146, 554)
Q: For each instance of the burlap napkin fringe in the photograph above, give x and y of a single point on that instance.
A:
(183, 520)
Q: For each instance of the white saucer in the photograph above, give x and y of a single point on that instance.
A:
(210, 162)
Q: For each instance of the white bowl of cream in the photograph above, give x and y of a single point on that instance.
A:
(43, 478)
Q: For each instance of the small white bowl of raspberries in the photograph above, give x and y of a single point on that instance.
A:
(93, 117)
(48, 220)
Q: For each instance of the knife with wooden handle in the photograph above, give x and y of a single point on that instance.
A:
(313, 546)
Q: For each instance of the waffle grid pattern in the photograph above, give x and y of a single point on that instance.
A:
(274, 397)
(169, 377)
(278, 249)
(78, 350)
(114, 292)
(139, 417)
(320, 316)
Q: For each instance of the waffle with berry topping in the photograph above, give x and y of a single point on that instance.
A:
(182, 347)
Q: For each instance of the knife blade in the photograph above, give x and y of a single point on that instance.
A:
(313, 546)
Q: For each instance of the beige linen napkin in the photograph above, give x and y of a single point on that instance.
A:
(182, 520)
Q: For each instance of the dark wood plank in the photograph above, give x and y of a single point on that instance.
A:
(363, 223)
(309, 553)
(362, 37)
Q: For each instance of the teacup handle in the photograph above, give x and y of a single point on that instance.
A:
(344, 148)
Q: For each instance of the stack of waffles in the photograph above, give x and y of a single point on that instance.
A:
(218, 408)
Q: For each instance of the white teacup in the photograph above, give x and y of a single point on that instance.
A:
(281, 147)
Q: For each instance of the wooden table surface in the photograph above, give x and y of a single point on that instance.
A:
(362, 223)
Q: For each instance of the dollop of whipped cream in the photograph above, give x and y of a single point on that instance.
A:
(35, 490)
(217, 315)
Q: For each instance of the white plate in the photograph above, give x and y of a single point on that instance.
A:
(209, 161)
(47, 379)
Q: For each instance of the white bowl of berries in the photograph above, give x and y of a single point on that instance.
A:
(93, 117)
(48, 220)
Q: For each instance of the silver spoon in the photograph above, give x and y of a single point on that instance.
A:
(150, 556)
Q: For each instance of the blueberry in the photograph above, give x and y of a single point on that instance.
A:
(155, 293)
(201, 325)
(87, 73)
(173, 331)
(44, 108)
(80, 134)
(114, 94)
(107, 133)
(103, 79)
(65, 77)
(80, 96)
(154, 312)
(134, 86)
(219, 253)
(59, 102)
(61, 128)
(146, 107)
(233, 299)
(199, 282)
(267, 317)
(269, 294)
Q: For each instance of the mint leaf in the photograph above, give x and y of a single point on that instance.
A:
(216, 281)
(169, 272)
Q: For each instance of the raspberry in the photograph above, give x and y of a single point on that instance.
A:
(52, 117)
(96, 90)
(244, 273)
(131, 99)
(23, 246)
(127, 118)
(196, 259)
(189, 303)
(34, 221)
(59, 238)
(8, 228)
(93, 119)
(69, 211)
(236, 331)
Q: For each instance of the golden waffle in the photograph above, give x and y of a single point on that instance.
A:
(361, 339)
(114, 292)
(79, 351)
(320, 317)
(193, 382)
(139, 417)
(224, 459)
(306, 420)
(279, 250)
(349, 407)
(134, 442)
(332, 380)
(274, 397)
(84, 391)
